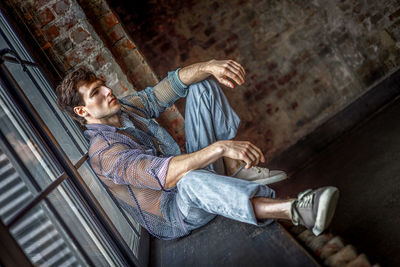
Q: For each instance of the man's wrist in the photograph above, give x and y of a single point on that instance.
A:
(204, 67)
(218, 148)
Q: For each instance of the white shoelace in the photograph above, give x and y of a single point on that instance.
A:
(306, 201)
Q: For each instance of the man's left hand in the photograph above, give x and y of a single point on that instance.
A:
(226, 71)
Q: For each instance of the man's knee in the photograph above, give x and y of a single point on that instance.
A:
(208, 87)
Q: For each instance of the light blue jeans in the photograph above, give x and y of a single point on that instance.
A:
(203, 194)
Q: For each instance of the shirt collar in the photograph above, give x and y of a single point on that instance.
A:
(100, 127)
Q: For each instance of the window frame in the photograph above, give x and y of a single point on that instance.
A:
(70, 170)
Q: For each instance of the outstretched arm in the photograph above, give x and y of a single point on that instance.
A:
(225, 71)
(239, 150)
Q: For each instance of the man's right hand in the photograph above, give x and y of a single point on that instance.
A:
(225, 71)
(241, 150)
(237, 150)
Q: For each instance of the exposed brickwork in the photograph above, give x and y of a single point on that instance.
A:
(61, 7)
(79, 35)
(75, 33)
(305, 60)
(46, 16)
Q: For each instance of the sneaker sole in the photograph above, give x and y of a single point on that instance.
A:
(276, 176)
(326, 209)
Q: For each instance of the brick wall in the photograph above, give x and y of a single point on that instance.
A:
(86, 32)
(305, 60)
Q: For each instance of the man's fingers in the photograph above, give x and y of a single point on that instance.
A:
(253, 152)
(238, 67)
(261, 155)
(250, 155)
(245, 151)
(256, 156)
(233, 74)
(225, 81)
(227, 72)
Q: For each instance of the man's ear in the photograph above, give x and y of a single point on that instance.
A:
(80, 111)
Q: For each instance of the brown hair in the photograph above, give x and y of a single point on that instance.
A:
(68, 95)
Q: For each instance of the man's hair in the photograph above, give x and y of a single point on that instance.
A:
(68, 95)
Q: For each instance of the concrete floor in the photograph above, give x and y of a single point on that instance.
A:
(364, 165)
(224, 242)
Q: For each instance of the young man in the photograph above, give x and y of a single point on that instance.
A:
(170, 193)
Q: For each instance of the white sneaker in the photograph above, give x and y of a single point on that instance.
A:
(260, 175)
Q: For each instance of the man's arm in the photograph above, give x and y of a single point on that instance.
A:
(225, 71)
(239, 150)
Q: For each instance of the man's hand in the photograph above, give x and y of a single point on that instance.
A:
(241, 150)
(238, 150)
(225, 71)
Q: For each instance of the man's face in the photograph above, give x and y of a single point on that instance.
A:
(100, 103)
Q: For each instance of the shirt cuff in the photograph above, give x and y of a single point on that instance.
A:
(177, 85)
(162, 172)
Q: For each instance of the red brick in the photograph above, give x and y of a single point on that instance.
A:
(45, 17)
(66, 23)
(128, 44)
(51, 32)
(40, 3)
(109, 20)
(98, 62)
(61, 7)
(123, 47)
(116, 34)
(79, 35)
(87, 48)
(72, 58)
(79, 54)
(133, 59)
(141, 76)
(63, 46)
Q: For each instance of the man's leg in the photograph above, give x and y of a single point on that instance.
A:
(203, 194)
(208, 118)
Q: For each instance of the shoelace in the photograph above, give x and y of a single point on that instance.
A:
(305, 201)
(257, 168)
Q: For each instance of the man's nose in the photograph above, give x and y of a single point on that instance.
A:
(108, 91)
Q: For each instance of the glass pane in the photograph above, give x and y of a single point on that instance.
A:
(28, 148)
(44, 169)
(39, 235)
(48, 112)
(83, 227)
(42, 96)
(14, 193)
(124, 226)
(72, 150)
